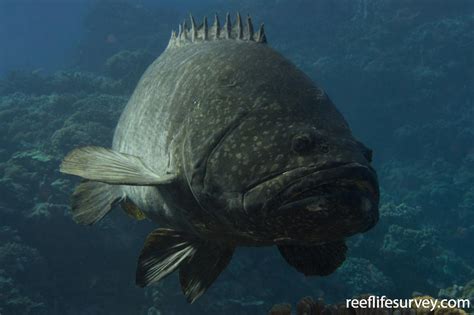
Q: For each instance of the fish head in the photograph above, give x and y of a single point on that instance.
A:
(294, 174)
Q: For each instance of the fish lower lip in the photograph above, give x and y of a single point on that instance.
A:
(350, 176)
(309, 203)
(260, 197)
(304, 171)
(310, 194)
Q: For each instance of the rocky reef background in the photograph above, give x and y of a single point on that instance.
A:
(401, 71)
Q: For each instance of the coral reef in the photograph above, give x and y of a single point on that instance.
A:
(459, 292)
(361, 275)
(18, 264)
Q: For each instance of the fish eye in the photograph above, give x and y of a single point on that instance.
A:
(302, 143)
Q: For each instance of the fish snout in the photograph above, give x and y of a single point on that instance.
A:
(333, 202)
(343, 200)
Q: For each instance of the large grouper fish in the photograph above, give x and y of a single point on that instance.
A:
(225, 143)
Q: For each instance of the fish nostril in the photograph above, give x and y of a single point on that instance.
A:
(324, 148)
(302, 143)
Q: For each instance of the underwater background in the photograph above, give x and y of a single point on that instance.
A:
(401, 72)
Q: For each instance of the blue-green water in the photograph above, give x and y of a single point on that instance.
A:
(401, 72)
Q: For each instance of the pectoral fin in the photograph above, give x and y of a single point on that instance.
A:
(164, 251)
(132, 210)
(111, 167)
(318, 260)
(199, 262)
(198, 273)
(91, 201)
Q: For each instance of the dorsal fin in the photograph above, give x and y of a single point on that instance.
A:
(227, 26)
(216, 27)
(205, 34)
(184, 32)
(230, 31)
(261, 38)
(194, 31)
(238, 29)
(249, 28)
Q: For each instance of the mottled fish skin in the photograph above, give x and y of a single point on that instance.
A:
(229, 116)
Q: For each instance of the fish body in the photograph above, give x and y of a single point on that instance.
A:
(226, 143)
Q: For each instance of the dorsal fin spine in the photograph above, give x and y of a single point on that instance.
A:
(205, 35)
(227, 26)
(216, 26)
(193, 28)
(261, 38)
(231, 31)
(184, 34)
(249, 28)
(240, 30)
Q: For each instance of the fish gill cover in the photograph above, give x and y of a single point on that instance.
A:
(401, 72)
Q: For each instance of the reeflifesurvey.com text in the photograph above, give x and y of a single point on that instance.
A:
(383, 302)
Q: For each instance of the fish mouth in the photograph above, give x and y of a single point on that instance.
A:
(342, 198)
(309, 197)
(351, 177)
